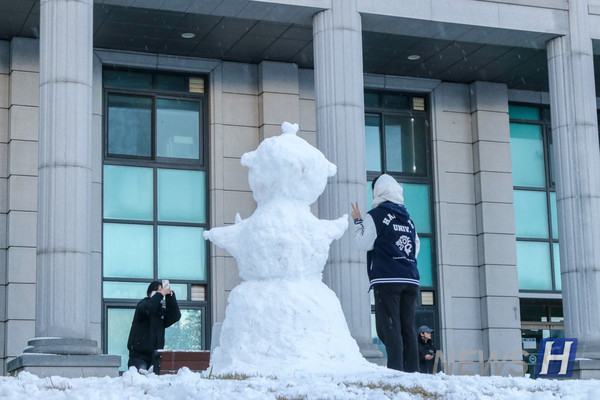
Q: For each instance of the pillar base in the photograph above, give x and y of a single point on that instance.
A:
(586, 369)
(66, 357)
(67, 366)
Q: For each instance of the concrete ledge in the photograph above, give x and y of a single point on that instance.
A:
(68, 366)
(66, 346)
(586, 369)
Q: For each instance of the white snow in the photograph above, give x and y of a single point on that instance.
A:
(379, 384)
(282, 318)
(284, 335)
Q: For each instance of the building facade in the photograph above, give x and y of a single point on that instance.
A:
(122, 124)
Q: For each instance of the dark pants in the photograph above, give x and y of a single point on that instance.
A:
(145, 362)
(395, 305)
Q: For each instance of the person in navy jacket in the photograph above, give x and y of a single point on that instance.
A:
(389, 237)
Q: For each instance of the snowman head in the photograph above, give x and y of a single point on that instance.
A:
(287, 167)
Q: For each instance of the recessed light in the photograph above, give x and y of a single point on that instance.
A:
(188, 35)
(414, 57)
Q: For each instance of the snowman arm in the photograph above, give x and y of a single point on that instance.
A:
(335, 228)
(226, 237)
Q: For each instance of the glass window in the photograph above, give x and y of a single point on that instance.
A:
(124, 290)
(554, 215)
(171, 82)
(127, 79)
(395, 101)
(424, 262)
(186, 334)
(178, 128)
(118, 325)
(137, 290)
(524, 112)
(128, 251)
(129, 125)
(533, 264)
(416, 198)
(372, 100)
(527, 150)
(128, 193)
(405, 145)
(181, 253)
(397, 143)
(373, 143)
(154, 201)
(531, 214)
(557, 275)
(181, 195)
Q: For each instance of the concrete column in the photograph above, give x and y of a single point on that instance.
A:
(495, 218)
(339, 100)
(577, 161)
(64, 271)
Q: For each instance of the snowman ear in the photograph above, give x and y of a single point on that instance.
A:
(248, 159)
(332, 170)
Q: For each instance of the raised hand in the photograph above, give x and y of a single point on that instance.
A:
(355, 211)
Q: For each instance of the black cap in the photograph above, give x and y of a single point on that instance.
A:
(424, 328)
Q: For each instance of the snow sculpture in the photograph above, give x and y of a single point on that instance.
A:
(282, 318)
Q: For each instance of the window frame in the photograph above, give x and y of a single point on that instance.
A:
(426, 314)
(154, 162)
(550, 187)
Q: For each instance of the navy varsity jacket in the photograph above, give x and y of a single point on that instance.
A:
(393, 257)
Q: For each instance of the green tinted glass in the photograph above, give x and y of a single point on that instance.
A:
(171, 82)
(181, 253)
(527, 152)
(373, 143)
(186, 334)
(553, 215)
(127, 79)
(424, 263)
(405, 145)
(128, 251)
(531, 214)
(524, 112)
(128, 193)
(557, 276)
(181, 196)
(371, 100)
(178, 128)
(416, 199)
(118, 324)
(124, 290)
(129, 125)
(394, 101)
(533, 264)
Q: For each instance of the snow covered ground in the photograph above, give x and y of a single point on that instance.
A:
(379, 384)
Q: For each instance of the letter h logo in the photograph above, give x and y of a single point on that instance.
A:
(556, 358)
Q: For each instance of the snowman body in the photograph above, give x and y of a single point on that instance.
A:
(282, 317)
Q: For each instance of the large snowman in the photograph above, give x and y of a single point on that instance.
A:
(282, 318)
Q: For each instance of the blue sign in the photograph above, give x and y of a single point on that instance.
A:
(556, 358)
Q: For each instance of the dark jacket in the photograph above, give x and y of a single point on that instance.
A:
(393, 258)
(149, 322)
(426, 366)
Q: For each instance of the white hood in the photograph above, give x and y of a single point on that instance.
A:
(387, 189)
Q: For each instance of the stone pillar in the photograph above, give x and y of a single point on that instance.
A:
(577, 162)
(339, 100)
(64, 273)
(495, 221)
